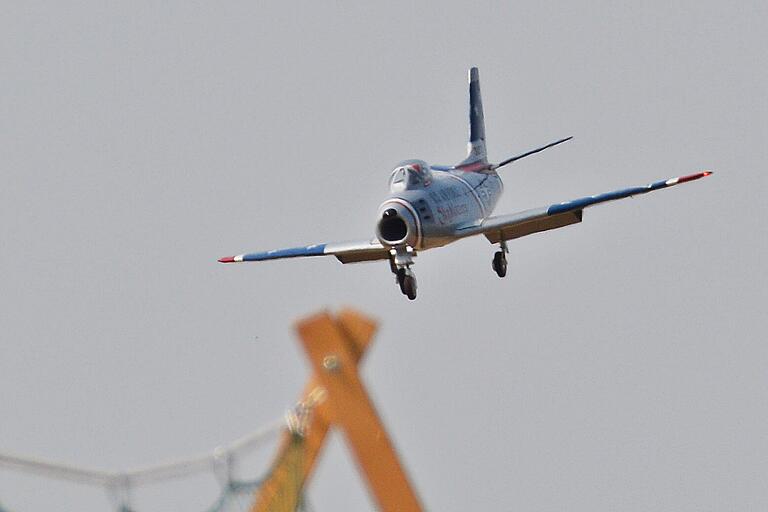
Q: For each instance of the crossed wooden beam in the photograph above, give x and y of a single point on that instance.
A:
(336, 397)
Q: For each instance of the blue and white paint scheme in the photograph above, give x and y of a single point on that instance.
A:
(430, 206)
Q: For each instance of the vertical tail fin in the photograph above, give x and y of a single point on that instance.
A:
(476, 147)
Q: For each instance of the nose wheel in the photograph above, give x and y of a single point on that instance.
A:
(400, 261)
(407, 282)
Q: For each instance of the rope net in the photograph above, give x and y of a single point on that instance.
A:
(236, 495)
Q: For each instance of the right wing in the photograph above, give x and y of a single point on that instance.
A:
(345, 252)
(515, 225)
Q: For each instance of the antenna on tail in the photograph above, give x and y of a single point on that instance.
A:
(529, 153)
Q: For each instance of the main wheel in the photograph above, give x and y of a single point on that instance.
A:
(408, 286)
(500, 264)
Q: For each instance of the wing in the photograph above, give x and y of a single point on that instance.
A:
(515, 225)
(345, 252)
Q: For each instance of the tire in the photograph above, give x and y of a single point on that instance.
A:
(500, 264)
(401, 276)
(409, 287)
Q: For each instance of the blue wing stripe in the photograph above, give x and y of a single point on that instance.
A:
(578, 204)
(295, 252)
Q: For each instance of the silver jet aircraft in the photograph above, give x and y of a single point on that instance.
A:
(430, 206)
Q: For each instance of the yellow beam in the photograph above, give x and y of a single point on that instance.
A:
(296, 457)
(335, 366)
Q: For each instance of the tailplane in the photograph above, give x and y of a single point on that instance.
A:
(477, 157)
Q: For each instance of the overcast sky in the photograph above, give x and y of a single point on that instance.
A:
(621, 365)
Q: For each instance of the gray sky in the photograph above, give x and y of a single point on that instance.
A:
(620, 365)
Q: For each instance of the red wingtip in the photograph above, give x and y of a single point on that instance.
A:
(227, 259)
(692, 177)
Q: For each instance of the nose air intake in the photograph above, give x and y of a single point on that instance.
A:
(398, 224)
(392, 227)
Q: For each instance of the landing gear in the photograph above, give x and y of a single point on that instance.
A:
(500, 260)
(400, 261)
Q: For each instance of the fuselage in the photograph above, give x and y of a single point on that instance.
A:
(427, 207)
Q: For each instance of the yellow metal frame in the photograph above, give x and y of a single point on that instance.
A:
(337, 398)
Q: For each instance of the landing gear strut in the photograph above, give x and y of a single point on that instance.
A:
(500, 261)
(401, 259)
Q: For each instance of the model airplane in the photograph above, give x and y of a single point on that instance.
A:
(433, 205)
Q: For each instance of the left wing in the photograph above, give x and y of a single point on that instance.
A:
(516, 225)
(345, 252)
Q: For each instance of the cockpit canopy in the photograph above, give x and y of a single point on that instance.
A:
(410, 175)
